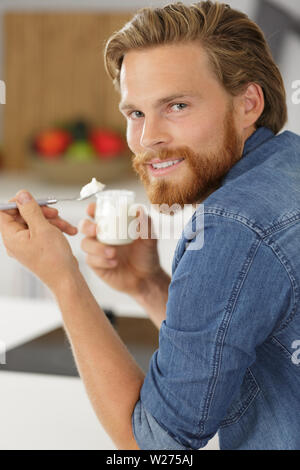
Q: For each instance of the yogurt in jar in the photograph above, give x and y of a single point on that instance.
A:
(115, 210)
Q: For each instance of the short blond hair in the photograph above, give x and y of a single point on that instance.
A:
(236, 47)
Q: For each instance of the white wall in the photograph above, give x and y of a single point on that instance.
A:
(291, 6)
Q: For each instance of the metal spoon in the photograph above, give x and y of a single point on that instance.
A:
(45, 202)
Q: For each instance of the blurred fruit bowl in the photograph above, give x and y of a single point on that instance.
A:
(74, 152)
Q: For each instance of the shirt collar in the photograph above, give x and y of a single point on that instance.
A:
(259, 137)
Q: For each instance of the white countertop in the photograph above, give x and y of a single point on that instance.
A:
(48, 412)
(41, 412)
(22, 320)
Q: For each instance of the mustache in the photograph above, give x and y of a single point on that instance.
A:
(163, 154)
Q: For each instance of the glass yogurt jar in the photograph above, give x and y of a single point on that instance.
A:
(115, 210)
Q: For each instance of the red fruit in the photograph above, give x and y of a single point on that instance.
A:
(52, 143)
(106, 143)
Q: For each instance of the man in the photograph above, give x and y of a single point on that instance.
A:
(198, 86)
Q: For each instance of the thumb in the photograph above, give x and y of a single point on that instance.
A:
(29, 210)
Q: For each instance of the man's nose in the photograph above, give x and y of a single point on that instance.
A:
(155, 134)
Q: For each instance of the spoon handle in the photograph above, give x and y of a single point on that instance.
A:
(41, 202)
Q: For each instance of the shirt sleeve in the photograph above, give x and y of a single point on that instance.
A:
(220, 309)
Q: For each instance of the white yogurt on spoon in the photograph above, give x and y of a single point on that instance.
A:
(91, 188)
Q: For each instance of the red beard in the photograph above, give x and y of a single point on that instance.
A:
(207, 169)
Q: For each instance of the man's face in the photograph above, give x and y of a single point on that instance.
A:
(177, 111)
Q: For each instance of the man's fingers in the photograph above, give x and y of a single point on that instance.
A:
(11, 222)
(30, 210)
(38, 213)
(8, 225)
(64, 226)
(100, 262)
(49, 212)
(92, 246)
(88, 228)
(51, 215)
(91, 208)
(5, 218)
(98, 255)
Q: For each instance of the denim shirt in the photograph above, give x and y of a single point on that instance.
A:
(229, 350)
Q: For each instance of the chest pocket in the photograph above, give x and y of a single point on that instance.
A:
(248, 391)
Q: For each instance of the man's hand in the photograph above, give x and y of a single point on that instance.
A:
(127, 268)
(103, 361)
(33, 236)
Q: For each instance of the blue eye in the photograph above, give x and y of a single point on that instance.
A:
(179, 104)
(135, 112)
(138, 114)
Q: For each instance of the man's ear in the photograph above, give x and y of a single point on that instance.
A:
(251, 104)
